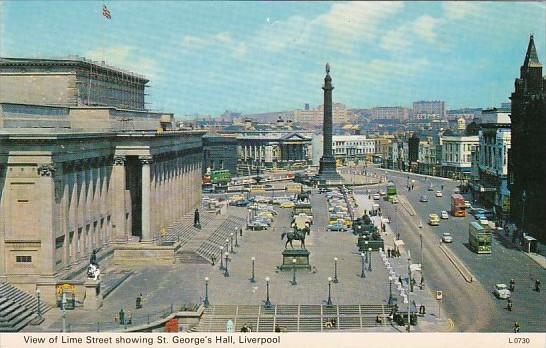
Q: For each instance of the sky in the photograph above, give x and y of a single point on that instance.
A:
(251, 57)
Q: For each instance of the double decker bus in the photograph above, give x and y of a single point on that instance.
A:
(457, 205)
(479, 238)
(216, 180)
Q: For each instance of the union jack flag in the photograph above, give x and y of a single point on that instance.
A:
(106, 12)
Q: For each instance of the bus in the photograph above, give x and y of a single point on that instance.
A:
(391, 191)
(479, 238)
(458, 207)
(220, 176)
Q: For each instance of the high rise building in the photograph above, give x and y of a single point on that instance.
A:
(429, 109)
(528, 168)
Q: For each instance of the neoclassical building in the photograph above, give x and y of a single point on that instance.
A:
(72, 180)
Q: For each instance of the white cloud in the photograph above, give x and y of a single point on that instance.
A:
(460, 9)
(126, 57)
(426, 28)
(395, 40)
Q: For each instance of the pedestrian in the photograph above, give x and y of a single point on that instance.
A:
(139, 301)
(512, 284)
(516, 327)
(442, 187)
(389, 252)
(196, 220)
(537, 285)
(277, 328)
(509, 304)
(241, 232)
(400, 280)
(121, 316)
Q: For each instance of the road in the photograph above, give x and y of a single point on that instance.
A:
(470, 305)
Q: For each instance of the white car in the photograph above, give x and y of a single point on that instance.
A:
(443, 215)
(467, 204)
(501, 291)
(446, 237)
(382, 193)
(376, 196)
(439, 194)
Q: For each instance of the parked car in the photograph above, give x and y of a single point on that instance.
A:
(439, 194)
(444, 215)
(257, 225)
(424, 198)
(382, 193)
(467, 204)
(501, 291)
(324, 190)
(446, 237)
(376, 196)
(287, 204)
(337, 227)
(433, 220)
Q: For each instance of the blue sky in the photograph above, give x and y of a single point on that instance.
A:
(206, 57)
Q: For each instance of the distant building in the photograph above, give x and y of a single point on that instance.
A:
(528, 167)
(456, 155)
(429, 109)
(413, 150)
(389, 113)
(220, 152)
(352, 148)
(313, 117)
(429, 162)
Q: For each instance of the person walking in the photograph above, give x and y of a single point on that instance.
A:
(139, 301)
(512, 285)
(196, 220)
(537, 285)
(509, 304)
(121, 316)
(516, 327)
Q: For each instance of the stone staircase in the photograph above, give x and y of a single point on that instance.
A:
(17, 308)
(291, 318)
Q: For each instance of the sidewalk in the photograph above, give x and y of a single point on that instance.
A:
(540, 259)
(398, 269)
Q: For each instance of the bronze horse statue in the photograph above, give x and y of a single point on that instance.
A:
(296, 235)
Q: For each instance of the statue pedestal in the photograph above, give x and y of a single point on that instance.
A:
(301, 256)
(93, 296)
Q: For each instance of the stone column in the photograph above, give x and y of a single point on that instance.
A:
(145, 161)
(45, 193)
(118, 199)
(153, 212)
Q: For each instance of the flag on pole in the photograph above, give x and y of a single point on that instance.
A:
(106, 12)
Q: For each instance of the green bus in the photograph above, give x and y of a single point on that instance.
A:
(479, 238)
(391, 191)
(220, 177)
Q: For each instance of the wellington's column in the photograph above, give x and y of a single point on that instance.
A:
(327, 169)
(146, 185)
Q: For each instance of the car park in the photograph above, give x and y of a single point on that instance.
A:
(447, 238)
(444, 215)
(439, 194)
(433, 220)
(501, 292)
(423, 198)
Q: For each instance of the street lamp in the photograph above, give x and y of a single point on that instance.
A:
(370, 260)
(206, 302)
(221, 258)
(236, 240)
(366, 250)
(226, 272)
(391, 299)
(421, 241)
(39, 309)
(294, 271)
(231, 242)
(329, 301)
(410, 288)
(362, 274)
(335, 270)
(253, 280)
(267, 301)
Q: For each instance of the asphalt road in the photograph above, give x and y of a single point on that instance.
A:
(470, 305)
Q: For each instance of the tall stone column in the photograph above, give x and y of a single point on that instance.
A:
(327, 169)
(146, 161)
(119, 228)
(45, 193)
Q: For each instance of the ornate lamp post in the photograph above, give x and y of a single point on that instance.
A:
(362, 273)
(206, 302)
(391, 299)
(222, 258)
(253, 279)
(267, 301)
(366, 249)
(39, 309)
(227, 244)
(329, 301)
(226, 272)
(370, 260)
(294, 272)
(236, 241)
(335, 270)
(231, 242)
(410, 288)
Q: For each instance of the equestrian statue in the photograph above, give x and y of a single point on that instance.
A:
(298, 234)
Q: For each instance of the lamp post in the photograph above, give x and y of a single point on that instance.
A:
(362, 273)
(206, 302)
(267, 301)
(253, 279)
(421, 243)
(294, 271)
(409, 292)
(39, 309)
(226, 272)
(391, 300)
(227, 244)
(63, 307)
(236, 240)
(370, 260)
(231, 242)
(366, 250)
(222, 258)
(329, 301)
(335, 270)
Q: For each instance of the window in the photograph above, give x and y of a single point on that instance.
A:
(23, 259)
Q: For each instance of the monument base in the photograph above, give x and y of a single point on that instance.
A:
(328, 174)
(93, 296)
(301, 256)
